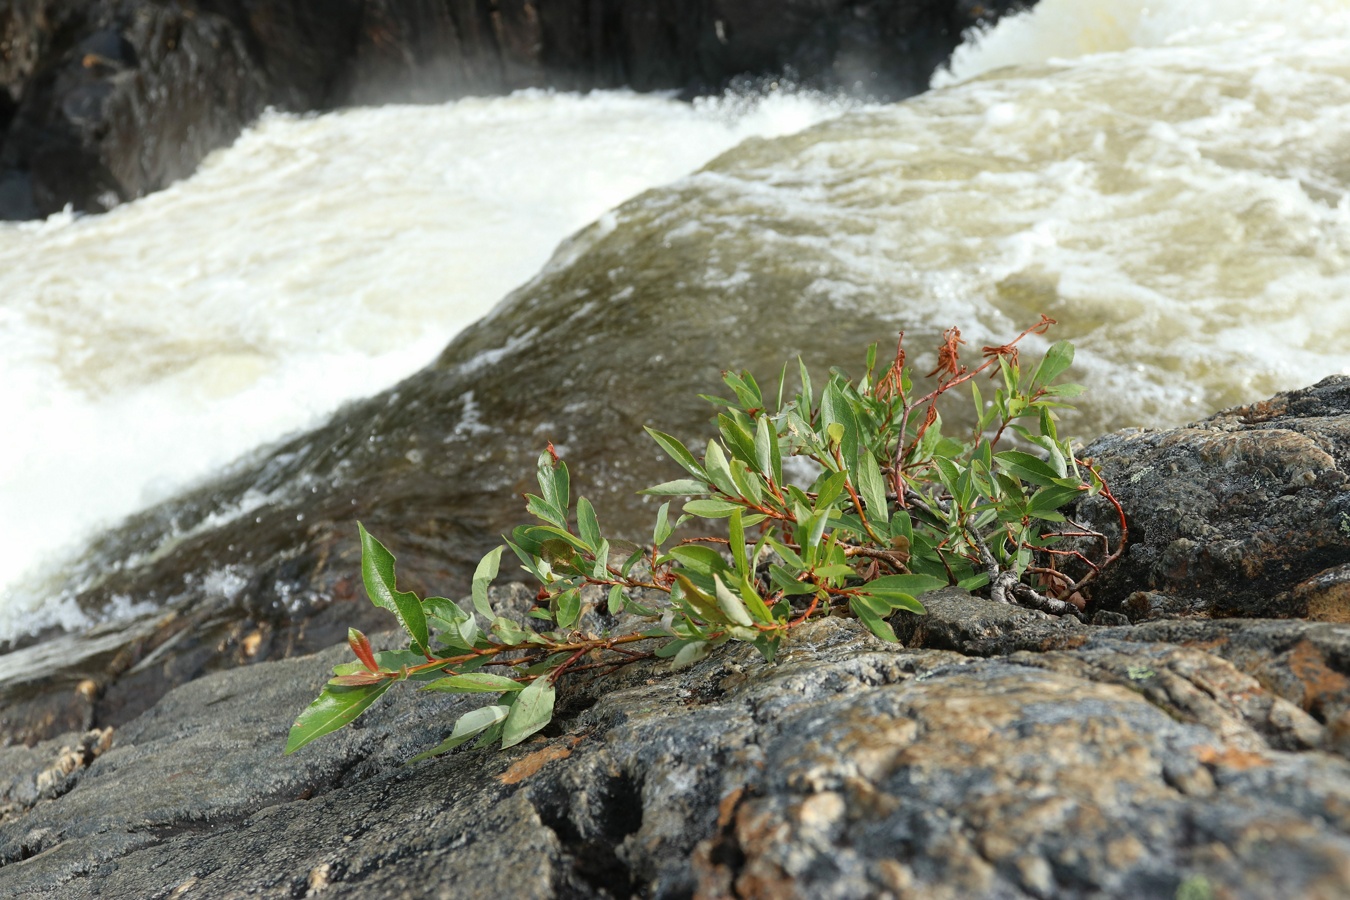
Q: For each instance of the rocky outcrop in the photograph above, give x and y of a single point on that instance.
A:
(106, 101)
(1110, 765)
(1244, 514)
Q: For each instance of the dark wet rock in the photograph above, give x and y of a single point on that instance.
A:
(849, 769)
(1246, 513)
(102, 102)
(117, 100)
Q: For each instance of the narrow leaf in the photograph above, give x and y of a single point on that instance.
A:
(334, 707)
(377, 571)
(587, 524)
(1057, 359)
(691, 653)
(711, 509)
(731, 604)
(482, 577)
(908, 584)
(532, 710)
(616, 600)
(676, 451)
(569, 608)
(873, 490)
(474, 683)
(682, 487)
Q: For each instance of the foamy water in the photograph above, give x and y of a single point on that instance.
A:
(318, 259)
(1169, 180)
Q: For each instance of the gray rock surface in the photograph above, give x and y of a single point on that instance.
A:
(1246, 513)
(1119, 767)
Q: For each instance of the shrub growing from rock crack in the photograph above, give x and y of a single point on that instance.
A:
(891, 506)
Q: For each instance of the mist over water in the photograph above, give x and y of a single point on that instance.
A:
(1168, 180)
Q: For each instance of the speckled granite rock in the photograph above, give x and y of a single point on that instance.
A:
(849, 769)
(1246, 513)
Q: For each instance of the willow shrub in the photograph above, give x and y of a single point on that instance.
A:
(890, 506)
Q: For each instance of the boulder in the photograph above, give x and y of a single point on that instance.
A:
(848, 769)
(1246, 513)
(121, 100)
(103, 102)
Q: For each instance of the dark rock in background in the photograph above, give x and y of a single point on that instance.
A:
(1246, 513)
(113, 101)
(105, 101)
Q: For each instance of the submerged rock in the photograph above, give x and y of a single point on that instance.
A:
(102, 102)
(851, 768)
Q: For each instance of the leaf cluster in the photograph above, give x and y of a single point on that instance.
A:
(851, 499)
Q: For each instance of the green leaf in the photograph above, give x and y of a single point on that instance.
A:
(835, 409)
(682, 487)
(1067, 391)
(754, 603)
(712, 509)
(873, 490)
(747, 482)
(805, 397)
(731, 604)
(889, 600)
(1026, 467)
(766, 442)
(676, 451)
(587, 524)
(482, 577)
(902, 526)
(663, 527)
(831, 489)
(877, 625)
(377, 571)
(554, 482)
(334, 707)
(469, 726)
(949, 473)
(736, 542)
(738, 440)
(787, 582)
(697, 600)
(616, 600)
(527, 561)
(542, 509)
(532, 710)
(569, 608)
(788, 555)
(719, 471)
(508, 631)
(691, 653)
(703, 560)
(974, 582)
(457, 627)
(908, 584)
(474, 683)
(1057, 359)
(1053, 497)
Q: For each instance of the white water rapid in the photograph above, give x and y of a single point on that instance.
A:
(1170, 180)
(318, 259)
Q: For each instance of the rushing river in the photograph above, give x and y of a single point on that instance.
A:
(318, 259)
(1168, 181)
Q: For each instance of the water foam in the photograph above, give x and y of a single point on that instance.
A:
(1061, 31)
(318, 259)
